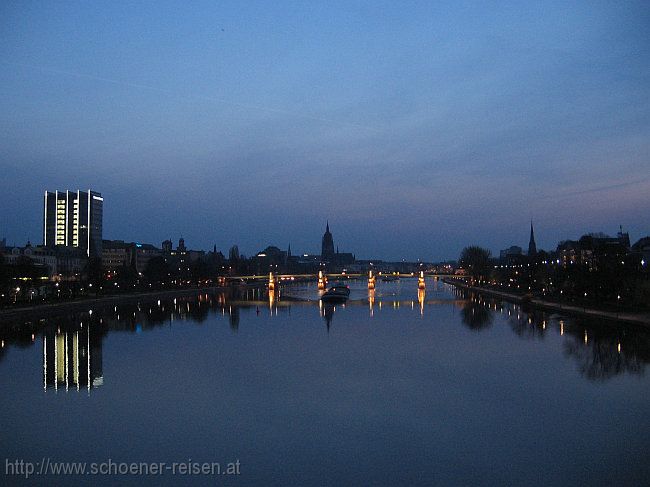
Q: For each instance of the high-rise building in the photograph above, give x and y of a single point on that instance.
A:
(73, 219)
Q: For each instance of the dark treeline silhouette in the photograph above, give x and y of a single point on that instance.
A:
(604, 276)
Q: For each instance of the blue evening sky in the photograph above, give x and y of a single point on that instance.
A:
(416, 128)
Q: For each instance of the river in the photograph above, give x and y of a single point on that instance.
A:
(396, 387)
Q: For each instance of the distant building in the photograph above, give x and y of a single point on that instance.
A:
(70, 262)
(181, 258)
(167, 246)
(117, 254)
(327, 247)
(568, 252)
(41, 256)
(643, 247)
(309, 261)
(344, 258)
(329, 255)
(271, 259)
(532, 246)
(143, 254)
(512, 252)
(57, 263)
(593, 250)
(73, 219)
(181, 254)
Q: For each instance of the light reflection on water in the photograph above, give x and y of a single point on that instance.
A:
(445, 382)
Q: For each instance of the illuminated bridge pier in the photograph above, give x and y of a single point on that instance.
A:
(322, 281)
(371, 280)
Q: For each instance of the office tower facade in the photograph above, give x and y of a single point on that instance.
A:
(74, 219)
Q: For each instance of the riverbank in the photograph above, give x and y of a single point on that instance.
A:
(624, 316)
(34, 312)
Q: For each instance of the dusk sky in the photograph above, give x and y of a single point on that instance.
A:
(416, 128)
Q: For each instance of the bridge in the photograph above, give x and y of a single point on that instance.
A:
(280, 278)
(273, 283)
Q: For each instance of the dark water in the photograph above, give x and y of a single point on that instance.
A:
(407, 389)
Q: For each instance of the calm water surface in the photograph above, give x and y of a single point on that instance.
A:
(395, 388)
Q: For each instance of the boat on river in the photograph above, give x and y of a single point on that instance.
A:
(336, 293)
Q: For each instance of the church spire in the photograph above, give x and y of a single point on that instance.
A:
(327, 248)
(532, 247)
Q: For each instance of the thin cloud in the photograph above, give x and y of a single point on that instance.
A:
(597, 189)
(194, 96)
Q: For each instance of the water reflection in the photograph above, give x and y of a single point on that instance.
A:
(72, 359)
(601, 349)
(327, 312)
(233, 318)
(72, 343)
(602, 354)
(422, 294)
(476, 316)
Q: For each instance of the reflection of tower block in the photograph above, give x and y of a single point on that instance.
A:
(371, 280)
(322, 280)
(221, 281)
(421, 284)
(271, 282)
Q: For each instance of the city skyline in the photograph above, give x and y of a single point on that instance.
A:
(414, 130)
(329, 242)
(67, 198)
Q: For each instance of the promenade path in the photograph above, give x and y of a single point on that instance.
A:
(624, 316)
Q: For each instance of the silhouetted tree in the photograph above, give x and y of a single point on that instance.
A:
(477, 262)
(126, 275)
(157, 270)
